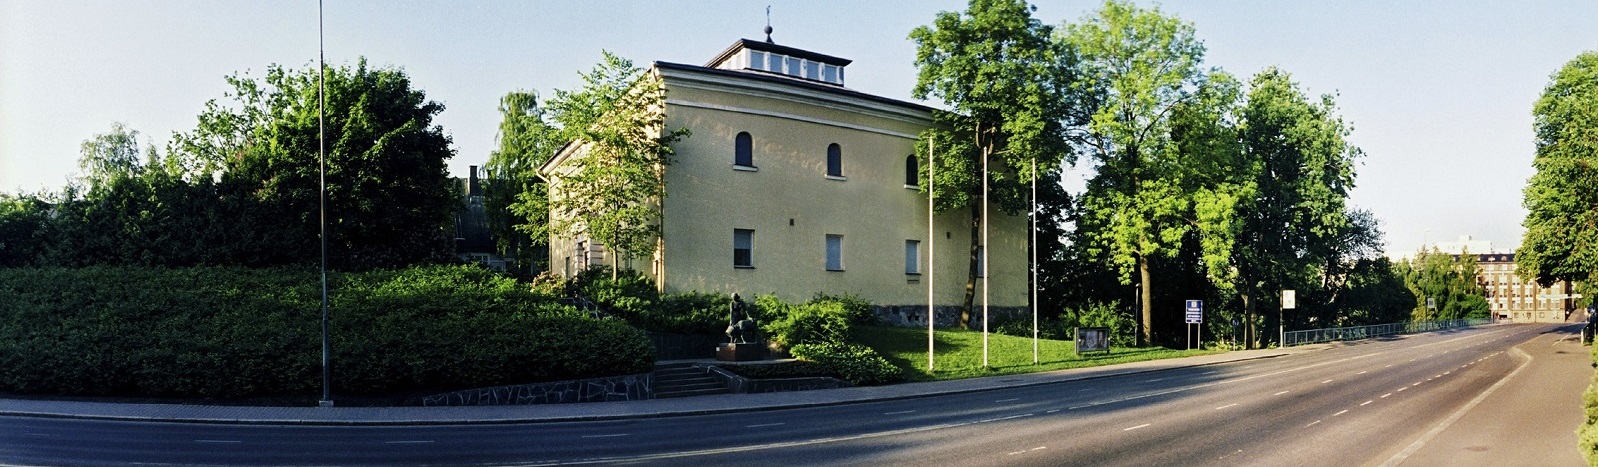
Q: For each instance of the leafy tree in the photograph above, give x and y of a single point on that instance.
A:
(1561, 240)
(22, 217)
(1009, 88)
(389, 197)
(513, 193)
(1296, 231)
(610, 188)
(1449, 280)
(1141, 201)
(111, 155)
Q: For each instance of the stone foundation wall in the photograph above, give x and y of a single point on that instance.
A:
(614, 388)
(946, 316)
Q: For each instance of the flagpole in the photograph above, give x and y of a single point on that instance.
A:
(931, 271)
(321, 155)
(987, 258)
(1034, 260)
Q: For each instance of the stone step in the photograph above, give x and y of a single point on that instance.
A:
(689, 393)
(686, 385)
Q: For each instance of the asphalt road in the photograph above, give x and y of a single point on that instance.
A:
(1369, 403)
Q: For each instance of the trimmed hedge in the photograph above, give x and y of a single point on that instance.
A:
(855, 363)
(228, 332)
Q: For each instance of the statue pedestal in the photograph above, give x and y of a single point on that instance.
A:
(741, 352)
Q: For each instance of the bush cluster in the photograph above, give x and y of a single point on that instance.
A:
(855, 363)
(631, 296)
(226, 332)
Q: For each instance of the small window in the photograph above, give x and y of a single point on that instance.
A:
(743, 150)
(912, 172)
(834, 160)
(834, 252)
(757, 60)
(912, 257)
(793, 66)
(743, 248)
(774, 63)
(829, 73)
(812, 70)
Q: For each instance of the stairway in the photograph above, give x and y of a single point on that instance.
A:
(685, 380)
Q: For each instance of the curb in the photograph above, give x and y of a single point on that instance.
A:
(612, 417)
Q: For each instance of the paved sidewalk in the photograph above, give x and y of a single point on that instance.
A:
(1528, 418)
(597, 410)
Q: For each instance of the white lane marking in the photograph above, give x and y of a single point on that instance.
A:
(1039, 448)
(617, 435)
(1362, 372)
(1417, 383)
(420, 441)
(1327, 381)
(1227, 406)
(1340, 413)
(1279, 393)
(1402, 389)
(1136, 427)
(901, 412)
(1366, 403)
(1384, 396)
(1052, 411)
(1011, 453)
(765, 425)
(1419, 443)
(1446, 372)
(1153, 380)
(1084, 390)
(1013, 399)
(1388, 366)
(1312, 424)
(223, 441)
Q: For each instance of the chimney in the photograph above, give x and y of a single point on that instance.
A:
(473, 188)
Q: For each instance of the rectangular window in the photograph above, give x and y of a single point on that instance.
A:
(743, 248)
(830, 74)
(834, 252)
(912, 257)
(757, 60)
(793, 66)
(774, 63)
(812, 70)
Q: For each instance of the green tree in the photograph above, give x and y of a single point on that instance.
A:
(1140, 202)
(389, 197)
(1296, 231)
(1561, 240)
(513, 192)
(111, 155)
(611, 187)
(1449, 281)
(22, 217)
(1009, 88)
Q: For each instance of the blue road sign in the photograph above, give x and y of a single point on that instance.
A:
(1195, 311)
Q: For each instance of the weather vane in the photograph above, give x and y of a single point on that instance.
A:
(768, 25)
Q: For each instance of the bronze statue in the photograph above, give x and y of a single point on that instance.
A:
(740, 328)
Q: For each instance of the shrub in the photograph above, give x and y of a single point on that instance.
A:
(628, 296)
(810, 323)
(234, 332)
(856, 309)
(688, 313)
(1123, 329)
(855, 363)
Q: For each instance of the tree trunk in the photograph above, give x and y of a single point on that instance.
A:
(1146, 295)
(971, 278)
(1248, 318)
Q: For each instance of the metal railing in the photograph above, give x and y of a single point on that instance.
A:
(1312, 336)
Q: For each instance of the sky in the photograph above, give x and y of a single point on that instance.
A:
(1439, 93)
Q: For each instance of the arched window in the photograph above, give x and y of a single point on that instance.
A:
(743, 150)
(912, 171)
(834, 160)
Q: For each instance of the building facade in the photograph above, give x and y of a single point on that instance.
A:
(793, 184)
(1520, 301)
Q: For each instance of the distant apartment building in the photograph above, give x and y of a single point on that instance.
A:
(1521, 301)
(473, 241)
(793, 184)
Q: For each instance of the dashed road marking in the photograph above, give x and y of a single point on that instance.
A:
(1312, 424)
(1403, 388)
(1384, 396)
(1362, 372)
(1227, 406)
(1366, 403)
(1279, 393)
(1327, 381)
(1013, 399)
(1052, 411)
(1340, 413)
(1136, 427)
(901, 412)
(762, 425)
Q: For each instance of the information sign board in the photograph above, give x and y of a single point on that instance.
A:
(1195, 311)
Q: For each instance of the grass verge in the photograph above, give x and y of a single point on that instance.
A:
(959, 353)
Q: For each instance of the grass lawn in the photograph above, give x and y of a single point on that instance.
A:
(959, 353)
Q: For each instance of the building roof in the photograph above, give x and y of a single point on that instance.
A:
(801, 83)
(752, 44)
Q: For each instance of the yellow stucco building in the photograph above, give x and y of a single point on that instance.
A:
(793, 184)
